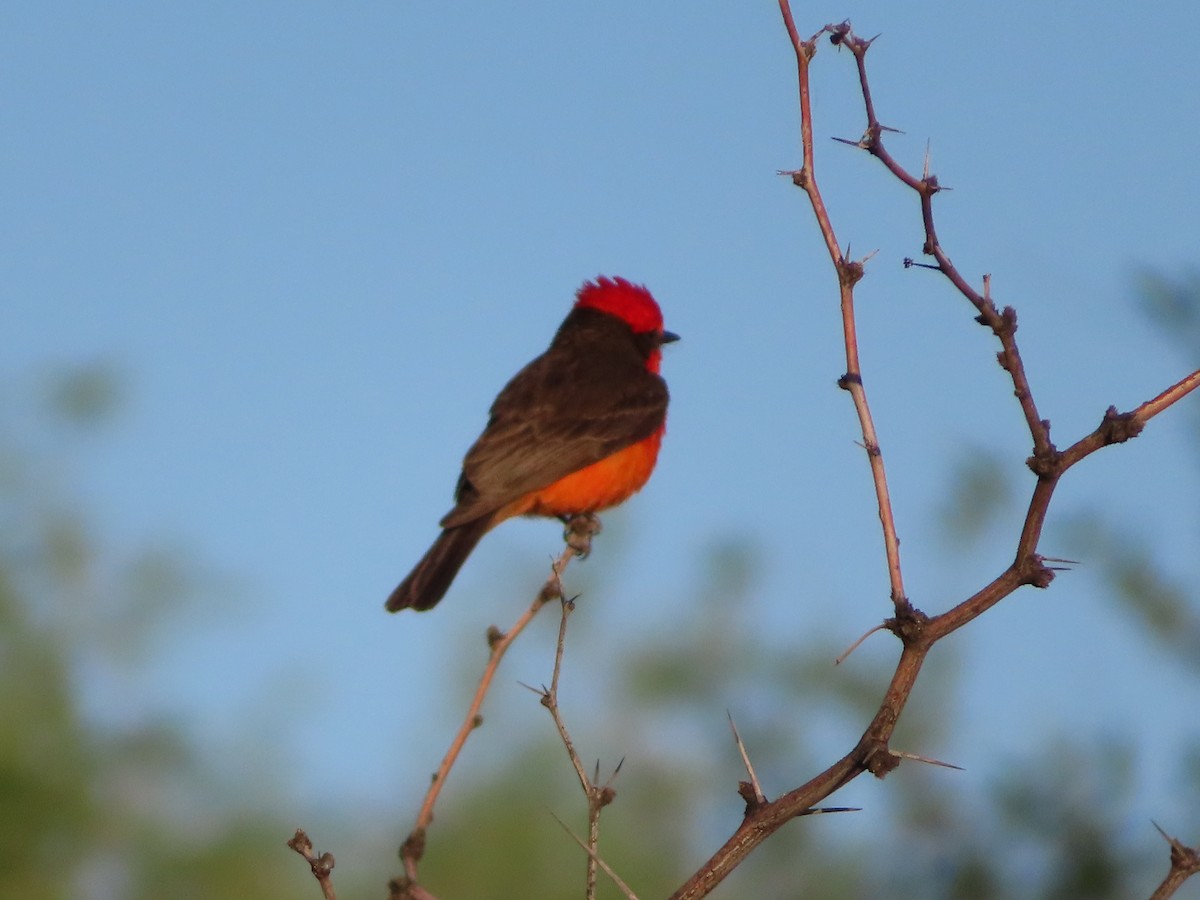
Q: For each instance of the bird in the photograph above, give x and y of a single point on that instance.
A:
(576, 431)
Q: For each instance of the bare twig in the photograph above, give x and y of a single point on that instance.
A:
(413, 847)
(848, 274)
(322, 866)
(550, 697)
(598, 796)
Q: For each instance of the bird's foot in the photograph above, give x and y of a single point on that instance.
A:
(579, 531)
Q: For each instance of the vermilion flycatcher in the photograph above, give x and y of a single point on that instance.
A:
(575, 431)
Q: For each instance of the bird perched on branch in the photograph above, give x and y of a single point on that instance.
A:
(574, 432)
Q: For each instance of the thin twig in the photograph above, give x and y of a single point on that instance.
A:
(1003, 324)
(598, 796)
(498, 643)
(550, 701)
(550, 697)
(848, 274)
(322, 865)
(1173, 394)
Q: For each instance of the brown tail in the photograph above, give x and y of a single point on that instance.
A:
(429, 580)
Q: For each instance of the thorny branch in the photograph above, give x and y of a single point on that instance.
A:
(849, 273)
(598, 795)
(917, 631)
(413, 848)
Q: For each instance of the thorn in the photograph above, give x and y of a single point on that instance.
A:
(616, 772)
(820, 810)
(543, 692)
(925, 759)
(854, 646)
(925, 169)
(759, 797)
(1063, 568)
(910, 263)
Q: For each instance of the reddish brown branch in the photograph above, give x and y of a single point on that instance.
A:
(849, 273)
(1003, 324)
(916, 631)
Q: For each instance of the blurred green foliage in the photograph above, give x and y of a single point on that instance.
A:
(89, 809)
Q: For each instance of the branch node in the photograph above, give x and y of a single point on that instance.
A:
(551, 590)
(747, 792)
(1118, 427)
(579, 531)
(838, 33)
(878, 759)
(850, 273)
(1034, 572)
(321, 866)
(908, 624)
(602, 796)
(1045, 463)
(1008, 320)
(414, 845)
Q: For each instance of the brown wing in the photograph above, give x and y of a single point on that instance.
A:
(585, 398)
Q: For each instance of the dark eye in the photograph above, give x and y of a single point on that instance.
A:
(647, 342)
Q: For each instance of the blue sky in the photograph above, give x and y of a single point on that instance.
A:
(316, 240)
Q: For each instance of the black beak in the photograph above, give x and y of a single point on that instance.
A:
(667, 337)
